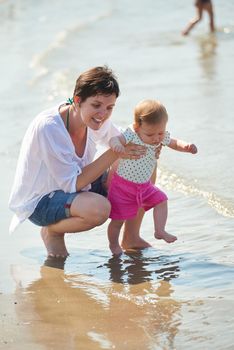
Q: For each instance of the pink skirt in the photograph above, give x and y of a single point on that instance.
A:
(127, 197)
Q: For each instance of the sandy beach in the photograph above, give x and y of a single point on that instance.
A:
(170, 296)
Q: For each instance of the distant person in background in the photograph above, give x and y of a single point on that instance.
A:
(201, 5)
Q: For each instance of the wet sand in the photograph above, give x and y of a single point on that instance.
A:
(139, 306)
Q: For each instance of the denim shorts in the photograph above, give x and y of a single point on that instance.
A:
(55, 206)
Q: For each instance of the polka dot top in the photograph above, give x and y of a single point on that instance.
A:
(139, 170)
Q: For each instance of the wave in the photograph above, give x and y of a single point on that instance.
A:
(177, 183)
(38, 61)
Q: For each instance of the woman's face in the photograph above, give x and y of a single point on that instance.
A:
(95, 110)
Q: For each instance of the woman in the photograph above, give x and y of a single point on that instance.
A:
(55, 170)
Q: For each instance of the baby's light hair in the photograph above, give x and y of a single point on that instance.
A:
(150, 112)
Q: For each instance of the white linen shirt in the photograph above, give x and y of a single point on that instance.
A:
(139, 170)
(48, 161)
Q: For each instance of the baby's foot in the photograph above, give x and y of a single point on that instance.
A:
(116, 249)
(54, 243)
(166, 236)
(129, 243)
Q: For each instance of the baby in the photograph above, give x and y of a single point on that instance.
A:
(131, 187)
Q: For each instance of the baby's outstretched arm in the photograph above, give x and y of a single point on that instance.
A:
(182, 146)
(117, 143)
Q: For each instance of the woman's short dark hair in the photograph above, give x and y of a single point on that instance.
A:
(97, 80)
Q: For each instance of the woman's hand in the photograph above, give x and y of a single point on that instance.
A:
(133, 151)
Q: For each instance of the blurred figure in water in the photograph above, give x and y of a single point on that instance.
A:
(201, 6)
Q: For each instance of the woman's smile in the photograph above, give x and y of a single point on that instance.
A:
(95, 110)
(98, 121)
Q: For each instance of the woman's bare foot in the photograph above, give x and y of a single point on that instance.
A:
(54, 243)
(115, 249)
(134, 243)
(166, 236)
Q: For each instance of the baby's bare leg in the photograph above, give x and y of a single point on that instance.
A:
(160, 219)
(131, 234)
(88, 210)
(113, 232)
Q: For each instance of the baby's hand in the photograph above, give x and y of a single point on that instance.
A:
(116, 145)
(118, 148)
(191, 148)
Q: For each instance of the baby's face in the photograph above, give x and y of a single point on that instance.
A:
(152, 134)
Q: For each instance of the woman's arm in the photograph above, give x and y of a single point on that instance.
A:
(95, 169)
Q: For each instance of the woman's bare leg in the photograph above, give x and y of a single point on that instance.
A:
(88, 210)
(54, 243)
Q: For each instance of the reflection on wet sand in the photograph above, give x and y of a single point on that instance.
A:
(132, 309)
(208, 47)
(136, 268)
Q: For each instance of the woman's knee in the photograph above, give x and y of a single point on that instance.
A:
(93, 208)
(100, 212)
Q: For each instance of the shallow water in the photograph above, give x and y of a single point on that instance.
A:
(171, 295)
